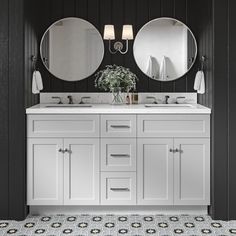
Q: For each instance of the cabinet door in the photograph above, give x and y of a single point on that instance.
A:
(192, 172)
(81, 172)
(45, 172)
(155, 172)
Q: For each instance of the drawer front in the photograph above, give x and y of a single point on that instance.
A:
(118, 125)
(63, 126)
(118, 154)
(174, 126)
(118, 188)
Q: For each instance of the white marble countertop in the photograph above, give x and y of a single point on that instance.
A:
(118, 109)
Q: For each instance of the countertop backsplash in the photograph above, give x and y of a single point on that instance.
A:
(106, 98)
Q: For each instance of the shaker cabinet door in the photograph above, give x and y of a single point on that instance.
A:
(81, 171)
(192, 171)
(155, 171)
(45, 172)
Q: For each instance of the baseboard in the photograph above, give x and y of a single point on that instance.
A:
(165, 210)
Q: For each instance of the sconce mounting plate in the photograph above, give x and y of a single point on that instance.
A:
(118, 46)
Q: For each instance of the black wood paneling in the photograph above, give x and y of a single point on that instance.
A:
(4, 109)
(119, 12)
(220, 113)
(17, 137)
(232, 110)
(12, 111)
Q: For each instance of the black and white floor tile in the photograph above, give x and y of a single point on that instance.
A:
(118, 225)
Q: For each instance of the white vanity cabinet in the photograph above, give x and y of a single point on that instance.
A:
(118, 159)
(173, 170)
(63, 170)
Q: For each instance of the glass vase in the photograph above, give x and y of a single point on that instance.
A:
(116, 96)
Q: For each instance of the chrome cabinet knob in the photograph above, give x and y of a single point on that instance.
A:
(176, 150)
(67, 150)
(61, 150)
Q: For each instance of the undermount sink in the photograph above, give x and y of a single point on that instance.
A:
(69, 106)
(169, 105)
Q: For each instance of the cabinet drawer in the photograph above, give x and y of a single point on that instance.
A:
(63, 126)
(118, 125)
(118, 154)
(118, 188)
(173, 126)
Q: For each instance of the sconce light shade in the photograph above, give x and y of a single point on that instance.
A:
(127, 33)
(109, 32)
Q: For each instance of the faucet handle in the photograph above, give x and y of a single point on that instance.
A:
(166, 99)
(152, 97)
(82, 99)
(55, 97)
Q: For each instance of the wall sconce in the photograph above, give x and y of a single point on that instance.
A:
(127, 34)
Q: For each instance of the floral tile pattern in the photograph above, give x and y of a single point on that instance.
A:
(118, 225)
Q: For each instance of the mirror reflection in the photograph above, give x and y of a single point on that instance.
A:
(165, 49)
(72, 49)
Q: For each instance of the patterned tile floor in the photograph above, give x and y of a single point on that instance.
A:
(116, 225)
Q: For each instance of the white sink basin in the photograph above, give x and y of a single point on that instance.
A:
(69, 106)
(169, 105)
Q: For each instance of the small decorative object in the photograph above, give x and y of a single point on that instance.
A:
(116, 79)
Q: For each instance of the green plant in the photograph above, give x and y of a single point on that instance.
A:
(114, 76)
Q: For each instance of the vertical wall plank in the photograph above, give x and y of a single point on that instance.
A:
(220, 113)
(117, 19)
(4, 10)
(232, 109)
(17, 137)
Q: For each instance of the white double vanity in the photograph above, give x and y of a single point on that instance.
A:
(139, 156)
(118, 155)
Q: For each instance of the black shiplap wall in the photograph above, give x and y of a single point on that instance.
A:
(119, 12)
(12, 111)
(224, 111)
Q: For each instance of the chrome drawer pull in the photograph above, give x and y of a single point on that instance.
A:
(120, 126)
(120, 189)
(120, 155)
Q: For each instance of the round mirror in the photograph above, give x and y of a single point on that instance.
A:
(72, 49)
(165, 49)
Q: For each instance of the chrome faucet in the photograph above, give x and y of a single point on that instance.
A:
(82, 100)
(70, 99)
(166, 99)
